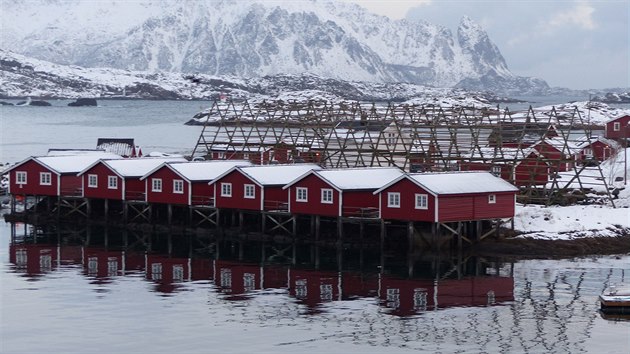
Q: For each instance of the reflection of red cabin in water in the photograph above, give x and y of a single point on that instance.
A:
(235, 278)
(33, 259)
(102, 263)
(314, 287)
(41, 258)
(410, 296)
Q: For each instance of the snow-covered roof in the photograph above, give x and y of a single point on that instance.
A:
(461, 182)
(73, 163)
(277, 174)
(204, 170)
(139, 166)
(74, 152)
(360, 178)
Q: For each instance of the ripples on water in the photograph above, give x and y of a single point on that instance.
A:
(77, 290)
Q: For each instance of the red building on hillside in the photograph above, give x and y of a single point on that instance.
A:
(618, 128)
(339, 192)
(447, 197)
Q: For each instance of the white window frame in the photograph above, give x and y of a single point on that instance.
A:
(327, 196)
(492, 198)
(301, 194)
(496, 170)
(249, 191)
(45, 178)
(178, 186)
(112, 182)
(156, 185)
(393, 199)
(422, 201)
(226, 189)
(20, 177)
(92, 181)
(616, 126)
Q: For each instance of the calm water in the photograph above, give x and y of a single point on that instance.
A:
(77, 290)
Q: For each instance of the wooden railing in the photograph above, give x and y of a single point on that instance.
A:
(276, 205)
(361, 212)
(135, 196)
(71, 192)
(202, 200)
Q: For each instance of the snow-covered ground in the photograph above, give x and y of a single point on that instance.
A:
(577, 221)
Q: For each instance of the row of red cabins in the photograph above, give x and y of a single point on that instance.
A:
(238, 280)
(304, 189)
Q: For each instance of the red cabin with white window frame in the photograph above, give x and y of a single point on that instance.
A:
(339, 192)
(447, 197)
(618, 128)
(186, 183)
(119, 179)
(257, 187)
(51, 175)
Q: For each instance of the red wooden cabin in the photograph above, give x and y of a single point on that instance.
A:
(559, 155)
(51, 175)
(339, 192)
(596, 149)
(185, 183)
(618, 128)
(257, 187)
(119, 179)
(522, 167)
(447, 197)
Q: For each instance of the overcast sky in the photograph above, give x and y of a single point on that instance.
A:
(578, 44)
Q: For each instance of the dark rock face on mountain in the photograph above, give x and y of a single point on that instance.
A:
(82, 102)
(248, 38)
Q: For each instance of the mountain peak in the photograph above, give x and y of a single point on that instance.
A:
(250, 38)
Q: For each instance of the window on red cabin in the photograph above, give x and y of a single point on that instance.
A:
(45, 178)
(178, 186)
(92, 181)
(492, 198)
(20, 177)
(249, 191)
(178, 273)
(616, 126)
(112, 182)
(327, 196)
(226, 189)
(301, 194)
(496, 170)
(422, 201)
(393, 200)
(156, 185)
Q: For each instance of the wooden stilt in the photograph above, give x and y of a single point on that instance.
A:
(169, 214)
(106, 209)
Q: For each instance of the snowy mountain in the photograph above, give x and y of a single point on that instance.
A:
(28, 77)
(248, 38)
